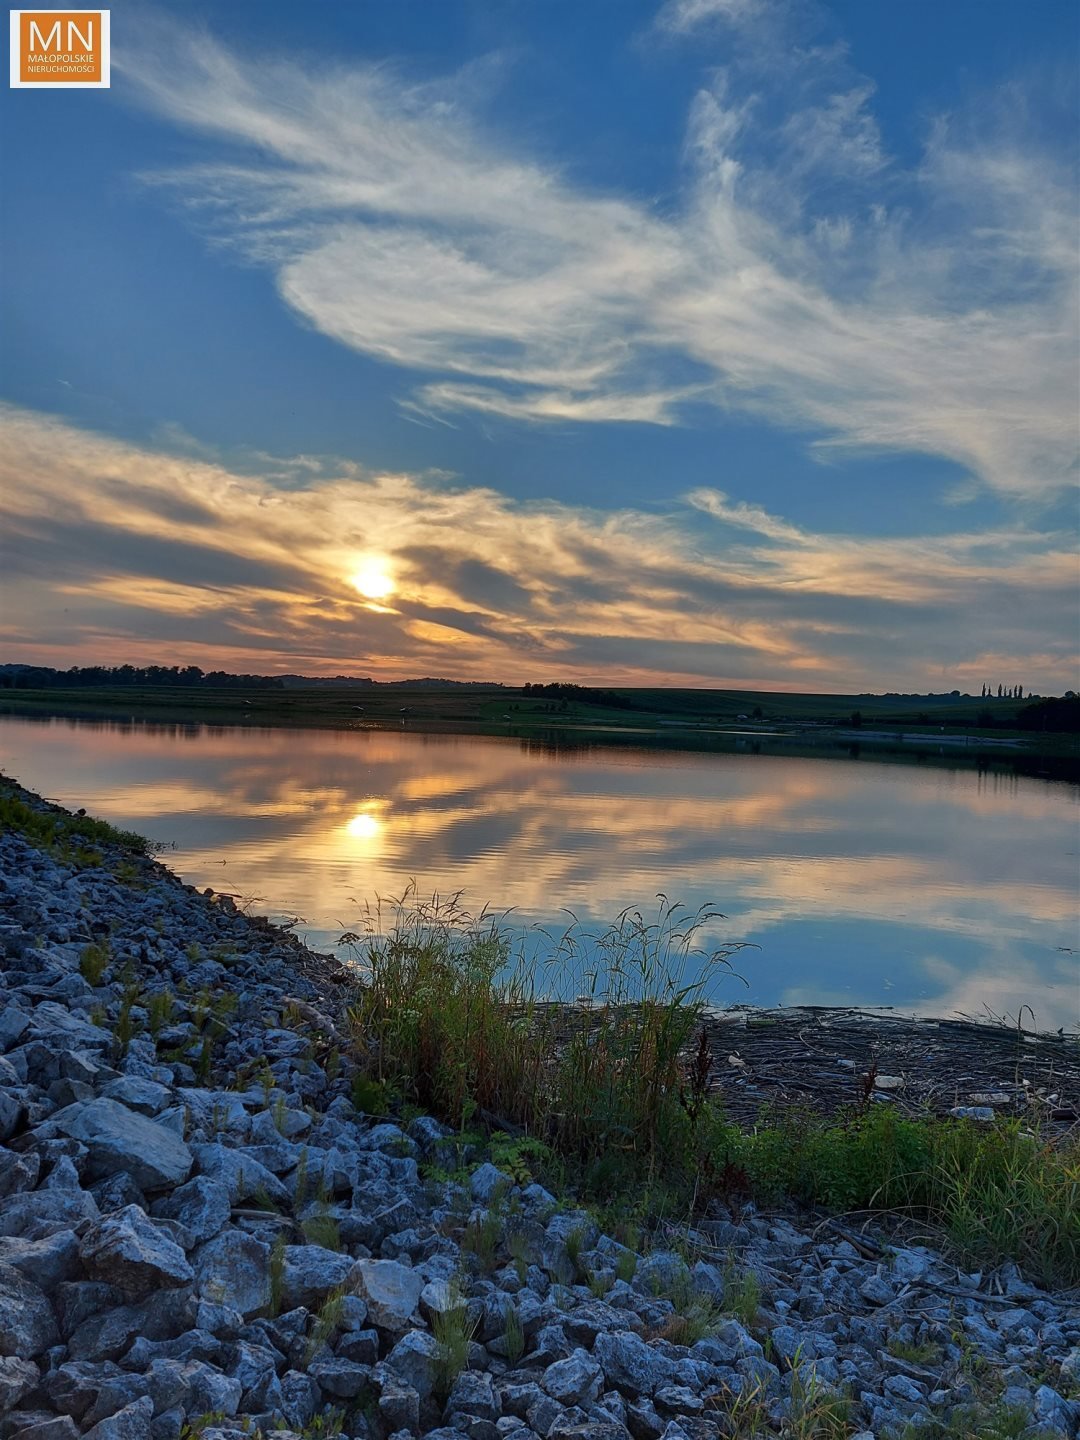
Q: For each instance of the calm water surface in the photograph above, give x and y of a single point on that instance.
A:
(933, 890)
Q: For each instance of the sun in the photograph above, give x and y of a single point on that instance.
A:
(373, 579)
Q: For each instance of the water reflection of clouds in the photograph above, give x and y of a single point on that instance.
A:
(945, 863)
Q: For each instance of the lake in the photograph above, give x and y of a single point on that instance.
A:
(933, 890)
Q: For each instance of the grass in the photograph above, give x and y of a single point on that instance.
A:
(94, 961)
(813, 1412)
(995, 1191)
(453, 1333)
(924, 1354)
(449, 1018)
(742, 1294)
(609, 1098)
(515, 1335)
(74, 838)
(988, 1422)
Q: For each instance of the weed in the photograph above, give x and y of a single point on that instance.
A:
(626, 1263)
(94, 961)
(61, 834)
(277, 1276)
(327, 1322)
(448, 1019)
(600, 1283)
(692, 1321)
(518, 1248)
(988, 1422)
(924, 1354)
(128, 873)
(742, 1294)
(127, 1024)
(159, 1011)
(575, 1240)
(481, 1238)
(515, 1336)
(453, 1333)
(322, 1229)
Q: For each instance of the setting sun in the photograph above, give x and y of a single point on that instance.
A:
(373, 579)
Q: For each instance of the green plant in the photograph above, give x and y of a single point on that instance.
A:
(574, 1242)
(515, 1335)
(327, 1322)
(626, 1263)
(277, 1276)
(517, 1246)
(60, 833)
(453, 1333)
(742, 1293)
(816, 1412)
(600, 1283)
(989, 1422)
(324, 1426)
(94, 961)
(322, 1229)
(159, 1011)
(127, 1024)
(481, 1238)
(924, 1354)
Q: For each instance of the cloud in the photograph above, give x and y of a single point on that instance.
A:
(115, 547)
(937, 315)
(682, 16)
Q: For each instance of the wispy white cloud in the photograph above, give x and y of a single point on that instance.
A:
(396, 224)
(682, 16)
(116, 546)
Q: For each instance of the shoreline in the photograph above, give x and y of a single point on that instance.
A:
(198, 1226)
(1030, 753)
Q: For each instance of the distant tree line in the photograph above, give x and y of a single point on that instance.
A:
(1058, 713)
(1004, 692)
(583, 694)
(45, 677)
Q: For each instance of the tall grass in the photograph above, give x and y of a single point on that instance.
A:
(459, 1022)
(994, 1190)
(450, 1016)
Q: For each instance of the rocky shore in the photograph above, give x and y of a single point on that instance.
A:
(200, 1233)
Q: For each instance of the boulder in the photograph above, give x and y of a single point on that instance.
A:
(632, 1366)
(309, 1272)
(242, 1176)
(415, 1360)
(128, 1250)
(17, 1378)
(27, 1323)
(57, 1427)
(122, 1139)
(46, 1263)
(201, 1207)
(390, 1290)
(234, 1267)
(577, 1380)
(130, 1423)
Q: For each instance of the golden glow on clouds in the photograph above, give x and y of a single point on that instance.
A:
(113, 547)
(373, 579)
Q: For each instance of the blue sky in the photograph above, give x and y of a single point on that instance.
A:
(702, 342)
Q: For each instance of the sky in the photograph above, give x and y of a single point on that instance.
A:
(693, 342)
